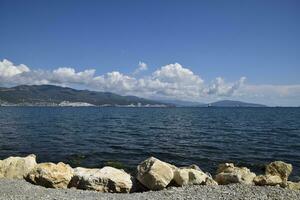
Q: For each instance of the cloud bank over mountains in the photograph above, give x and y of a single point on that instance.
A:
(172, 81)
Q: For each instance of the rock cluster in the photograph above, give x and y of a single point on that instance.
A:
(152, 174)
(156, 175)
(276, 173)
(227, 173)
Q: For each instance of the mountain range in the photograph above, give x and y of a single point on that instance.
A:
(223, 103)
(229, 103)
(50, 95)
(55, 95)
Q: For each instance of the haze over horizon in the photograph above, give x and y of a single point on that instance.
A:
(213, 50)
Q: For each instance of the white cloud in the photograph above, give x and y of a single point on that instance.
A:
(221, 88)
(141, 67)
(175, 73)
(171, 81)
(8, 69)
(113, 82)
(68, 75)
(175, 81)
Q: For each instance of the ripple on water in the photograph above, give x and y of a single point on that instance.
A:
(92, 137)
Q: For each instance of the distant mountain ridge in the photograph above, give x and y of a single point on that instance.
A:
(54, 95)
(51, 95)
(223, 103)
(229, 103)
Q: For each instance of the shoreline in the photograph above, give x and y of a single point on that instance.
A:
(24, 178)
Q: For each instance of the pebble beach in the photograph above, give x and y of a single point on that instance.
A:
(21, 190)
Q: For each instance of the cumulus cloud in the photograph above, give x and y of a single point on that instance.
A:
(68, 75)
(175, 81)
(221, 88)
(141, 67)
(8, 69)
(114, 82)
(172, 81)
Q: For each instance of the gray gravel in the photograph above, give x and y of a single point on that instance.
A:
(20, 189)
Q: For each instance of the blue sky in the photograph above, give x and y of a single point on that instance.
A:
(231, 39)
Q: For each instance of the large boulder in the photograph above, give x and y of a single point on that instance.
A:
(279, 168)
(267, 180)
(17, 167)
(227, 173)
(191, 176)
(51, 175)
(107, 179)
(155, 174)
(186, 176)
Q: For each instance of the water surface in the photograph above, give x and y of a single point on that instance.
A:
(92, 136)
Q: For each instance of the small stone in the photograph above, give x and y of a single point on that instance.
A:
(293, 185)
(210, 181)
(267, 180)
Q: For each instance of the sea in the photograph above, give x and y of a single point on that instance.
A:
(98, 136)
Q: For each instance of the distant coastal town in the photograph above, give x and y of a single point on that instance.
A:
(78, 104)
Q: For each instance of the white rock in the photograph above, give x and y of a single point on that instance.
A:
(154, 174)
(267, 180)
(107, 179)
(228, 173)
(185, 176)
(17, 167)
(51, 175)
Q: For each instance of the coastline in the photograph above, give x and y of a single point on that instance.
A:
(24, 178)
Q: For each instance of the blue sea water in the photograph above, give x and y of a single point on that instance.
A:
(92, 136)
